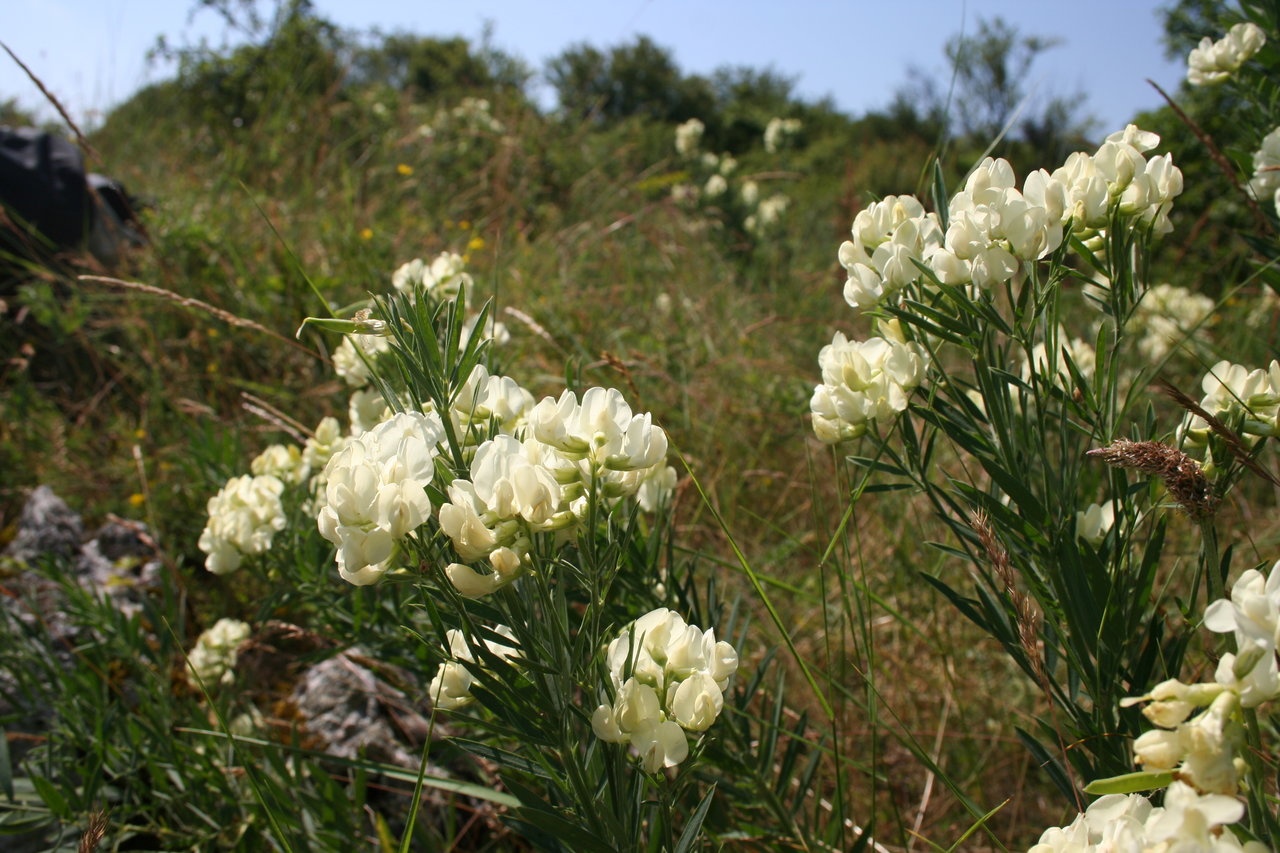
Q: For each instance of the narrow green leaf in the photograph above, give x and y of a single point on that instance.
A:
(52, 798)
(1129, 783)
(6, 766)
(690, 835)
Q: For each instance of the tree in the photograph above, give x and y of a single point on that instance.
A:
(639, 79)
(988, 70)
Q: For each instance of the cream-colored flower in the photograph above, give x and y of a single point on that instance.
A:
(1212, 62)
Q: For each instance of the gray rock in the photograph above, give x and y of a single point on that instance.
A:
(47, 527)
(357, 714)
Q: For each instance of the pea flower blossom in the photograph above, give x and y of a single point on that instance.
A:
(375, 492)
(667, 678)
(1212, 62)
(450, 688)
(212, 659)
(863, 382)
(244, 516)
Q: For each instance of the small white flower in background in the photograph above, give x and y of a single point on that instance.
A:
(450, 689)
(688, 137)
(750, 193)
(716, 186)
(1252, 613)
(778, 131)
(375, 492)
(768, 214)
(243, 517)
(213, 658)
(1213, 62)
(323, 443)
(1165, 316)
(685, 193)
(1095, 522)
(283, 462)
(1080, 351)
(678, 677)
(444, 278)
(1265, 182)
(710, 162)
(353, 356)
(863, 382)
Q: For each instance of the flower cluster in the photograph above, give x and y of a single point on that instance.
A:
(575, 452)
(712, 176)
(1204, 749)
(689, 137)
(1212, 62)
(1233, 391)
(213, 658)
(450, 689)
(994, 229)
(1252, 614)
(1165, 316)
(375, 492)
(1187, 821)
(243, 517)
(863, 382)
(778, 131)
(667, 678)
(469, 118)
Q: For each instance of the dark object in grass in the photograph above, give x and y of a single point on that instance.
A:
(51, 204)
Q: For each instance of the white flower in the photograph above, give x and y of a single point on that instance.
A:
(213, 658)
(716, 186)
(675, 678)
(863, 382)
(688, 135)
(366, 410)
(450, 689)
(1265, 182)
(1205, 749)
(889, 238)
(1253, 614)
(484, 398)
(243, 517)
(444, 278)
(1213, 62)
(778, 130)
(284, 462)
(1094, 522)
(375, 492)
(1188, 822)
(1232, 390)
(352, 358)
(1165, 316)
(324, 442)
(601, 432)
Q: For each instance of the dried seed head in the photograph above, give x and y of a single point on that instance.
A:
(1181, 474)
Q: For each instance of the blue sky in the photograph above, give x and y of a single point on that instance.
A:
(91, 52)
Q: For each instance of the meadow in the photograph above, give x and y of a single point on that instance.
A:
(692, 467)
